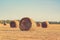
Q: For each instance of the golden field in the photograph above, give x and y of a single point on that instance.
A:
(52, 32)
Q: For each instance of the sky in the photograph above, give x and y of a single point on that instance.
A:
(39, 10)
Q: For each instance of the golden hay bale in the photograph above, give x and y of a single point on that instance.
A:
(7, 25)
(14, 24)
(44, 24)
(38, 24)
(4, 23)
(26, 24)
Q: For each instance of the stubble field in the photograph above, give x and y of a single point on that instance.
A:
(52, 32)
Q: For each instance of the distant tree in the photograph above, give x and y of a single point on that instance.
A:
(1, 21)
(51, 22)
(8, 21)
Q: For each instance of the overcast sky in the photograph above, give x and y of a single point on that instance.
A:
(39, 10)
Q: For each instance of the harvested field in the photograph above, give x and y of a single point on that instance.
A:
(52, 32)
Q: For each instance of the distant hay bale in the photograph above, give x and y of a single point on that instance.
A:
(38, 24)
(44, 24)
(4, 23)
(26, 24)
(14, 24)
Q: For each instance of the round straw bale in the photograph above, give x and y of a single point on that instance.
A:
(4, 23)
(44, 24)
(26, 24)
(13, 24)
(38, 24)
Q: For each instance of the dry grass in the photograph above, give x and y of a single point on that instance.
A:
(52, 32)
